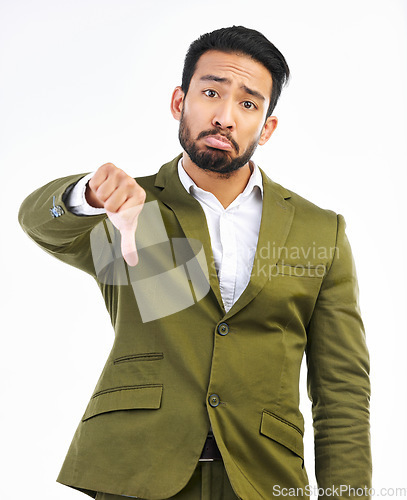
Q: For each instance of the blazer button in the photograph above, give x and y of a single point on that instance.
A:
(214, 400)
(223, 329)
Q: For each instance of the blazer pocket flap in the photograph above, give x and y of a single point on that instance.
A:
(282, 431)
(124, 398)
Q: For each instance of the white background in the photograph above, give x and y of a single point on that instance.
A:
(87, 82)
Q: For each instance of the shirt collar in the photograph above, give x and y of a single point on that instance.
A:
(254, 180)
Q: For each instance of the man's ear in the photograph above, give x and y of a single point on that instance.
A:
(268, 128)
(177, 102)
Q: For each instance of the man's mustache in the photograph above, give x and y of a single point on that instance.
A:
(217, 132)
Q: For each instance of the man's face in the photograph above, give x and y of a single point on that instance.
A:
(223, 116)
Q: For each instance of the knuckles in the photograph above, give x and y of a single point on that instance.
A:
(109, 206)
(108, 167)
(110, 179)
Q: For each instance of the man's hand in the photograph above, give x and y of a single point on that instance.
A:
(123, 199)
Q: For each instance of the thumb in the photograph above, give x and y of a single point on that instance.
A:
(126, 222)
(128, 246)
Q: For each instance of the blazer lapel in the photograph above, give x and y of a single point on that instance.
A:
(190, 216)
(275, 226)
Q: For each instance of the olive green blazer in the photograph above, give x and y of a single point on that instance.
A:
(168, 379)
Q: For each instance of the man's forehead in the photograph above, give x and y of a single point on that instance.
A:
(226, 67)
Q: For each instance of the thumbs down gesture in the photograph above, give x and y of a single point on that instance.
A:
(123, 199)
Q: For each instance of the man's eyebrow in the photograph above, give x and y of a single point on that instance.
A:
(220, 79)
(254, 93)
(214, 78)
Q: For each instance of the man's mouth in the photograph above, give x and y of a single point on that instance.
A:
(218, 142)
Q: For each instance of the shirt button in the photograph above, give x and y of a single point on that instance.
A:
(214, 400)
(223, 329)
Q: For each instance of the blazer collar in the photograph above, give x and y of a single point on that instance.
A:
(275, 226)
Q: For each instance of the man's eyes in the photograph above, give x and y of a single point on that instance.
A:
(210, 93)
(246, 104)
(249, 105)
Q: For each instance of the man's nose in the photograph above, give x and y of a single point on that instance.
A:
(224, 117)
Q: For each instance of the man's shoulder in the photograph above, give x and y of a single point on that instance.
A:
(147, 182)
(155, 182)
(302, 205)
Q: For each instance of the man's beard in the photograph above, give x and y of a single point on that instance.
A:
(212, 159)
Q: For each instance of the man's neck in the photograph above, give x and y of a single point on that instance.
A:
(225, 188)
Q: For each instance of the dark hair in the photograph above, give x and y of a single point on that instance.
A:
(241, 40)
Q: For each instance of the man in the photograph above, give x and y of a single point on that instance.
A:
(200, 399)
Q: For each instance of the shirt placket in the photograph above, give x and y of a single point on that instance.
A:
(227, 278)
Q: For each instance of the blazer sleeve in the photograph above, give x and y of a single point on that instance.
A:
(338, 379)
(66, 236)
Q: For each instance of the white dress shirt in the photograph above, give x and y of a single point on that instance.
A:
(233, 230)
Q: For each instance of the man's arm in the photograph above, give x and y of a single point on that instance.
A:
(338, 378)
